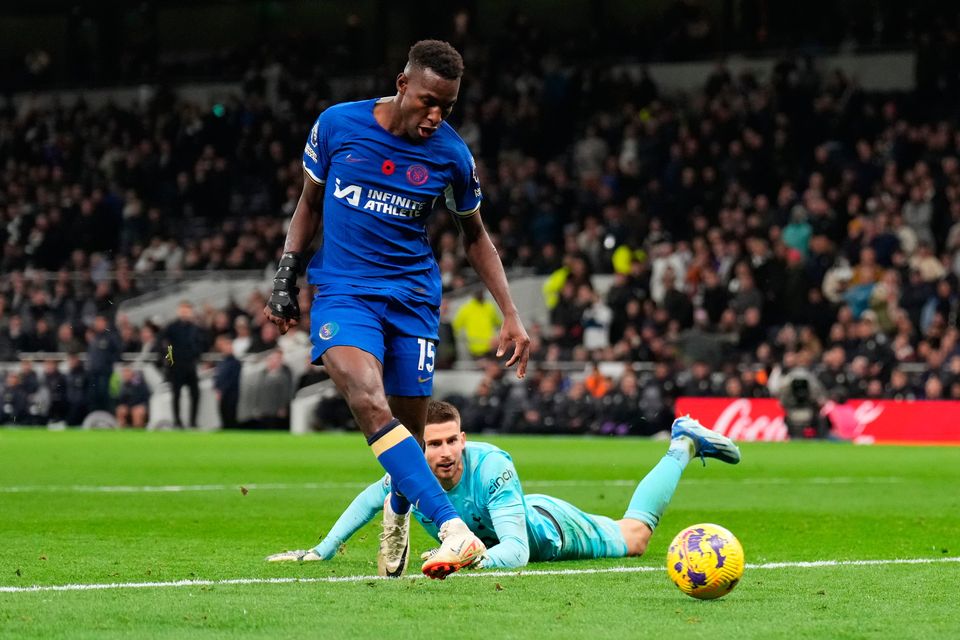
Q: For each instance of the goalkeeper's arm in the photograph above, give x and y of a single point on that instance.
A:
(362, 510)
(508, 515)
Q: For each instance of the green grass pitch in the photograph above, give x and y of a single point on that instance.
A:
(786, 502)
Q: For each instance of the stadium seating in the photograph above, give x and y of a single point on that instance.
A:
(781, 208)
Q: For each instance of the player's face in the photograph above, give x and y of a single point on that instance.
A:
(426, 99)
(443, 446)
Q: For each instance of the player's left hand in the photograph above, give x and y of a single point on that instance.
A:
(513, 331)
(283, 308)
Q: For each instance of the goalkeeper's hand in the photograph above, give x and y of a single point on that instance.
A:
(282, 308)
(476, 564)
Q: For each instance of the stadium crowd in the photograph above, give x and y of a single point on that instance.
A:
(755, 226)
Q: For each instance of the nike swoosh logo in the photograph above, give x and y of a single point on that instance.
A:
(353, 158)
(421, 379)
(401, 565)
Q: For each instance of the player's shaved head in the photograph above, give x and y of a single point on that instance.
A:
(436, 55)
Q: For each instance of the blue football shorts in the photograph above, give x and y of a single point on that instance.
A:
(582, 535)
(401, 334)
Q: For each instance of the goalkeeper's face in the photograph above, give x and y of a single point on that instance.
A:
(425, 100)
(443, 447)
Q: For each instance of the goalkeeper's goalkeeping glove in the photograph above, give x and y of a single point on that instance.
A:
(283, 301)
(476, 564)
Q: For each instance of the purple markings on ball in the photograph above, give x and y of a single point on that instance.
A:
(717, 543)
(678, 566)
(694, 540)
(697, 578)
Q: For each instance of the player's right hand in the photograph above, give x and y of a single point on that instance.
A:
(476, 564)
(513, 331)
(283, 308)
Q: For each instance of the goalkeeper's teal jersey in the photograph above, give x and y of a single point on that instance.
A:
(490, 500)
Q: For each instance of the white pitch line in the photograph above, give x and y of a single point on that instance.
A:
(296, 486)
(479, 574)
(177, 488)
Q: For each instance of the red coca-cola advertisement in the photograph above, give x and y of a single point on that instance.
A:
(863, 421)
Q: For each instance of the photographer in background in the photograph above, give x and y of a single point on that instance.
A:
(800, 394)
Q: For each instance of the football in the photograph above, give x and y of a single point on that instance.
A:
(705, 561)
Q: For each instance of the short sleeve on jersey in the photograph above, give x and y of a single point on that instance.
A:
(463, 194)
(316, 154)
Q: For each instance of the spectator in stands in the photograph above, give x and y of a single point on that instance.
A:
(221, 324)
(44, 339)
(597, 384)
(700, 383)
(226, 381)
(266, 338)
(133, 400)
(28, 377)
(242, 340)
(19, 339)
(56, 384)
(67, 341)
(485, 406)
(187, 341)
(700, 343)
(714, 184)
(566, 316)
(129, 334)
(102, 353)
(150, 350)
(576, 411)
(478, 322)
(540, 409)
(596, 319)
(833, 376)
(78, 394)
(274, 391)
(14, 401)
(933, 388)
(446, 354)
(621, 410)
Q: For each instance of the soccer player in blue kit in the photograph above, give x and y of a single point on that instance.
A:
(373, 171)
(483, 484)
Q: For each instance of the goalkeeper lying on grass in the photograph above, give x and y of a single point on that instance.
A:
(483, 485)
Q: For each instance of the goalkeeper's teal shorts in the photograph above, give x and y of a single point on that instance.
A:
(581, 535)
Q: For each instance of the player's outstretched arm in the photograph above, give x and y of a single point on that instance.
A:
(282, 308)
(508, 515)
(362, 510)
(485, 260)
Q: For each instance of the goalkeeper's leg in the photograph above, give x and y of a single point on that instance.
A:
(653, 494)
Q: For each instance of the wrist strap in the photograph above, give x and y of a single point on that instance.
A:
(291, 260)
(289, 267)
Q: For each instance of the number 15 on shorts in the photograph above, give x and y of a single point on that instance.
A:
(427, 354)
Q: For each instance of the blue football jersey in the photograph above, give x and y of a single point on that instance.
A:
(379, 191)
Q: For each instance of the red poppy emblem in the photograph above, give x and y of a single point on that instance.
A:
(388, 167)
(417, 174)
